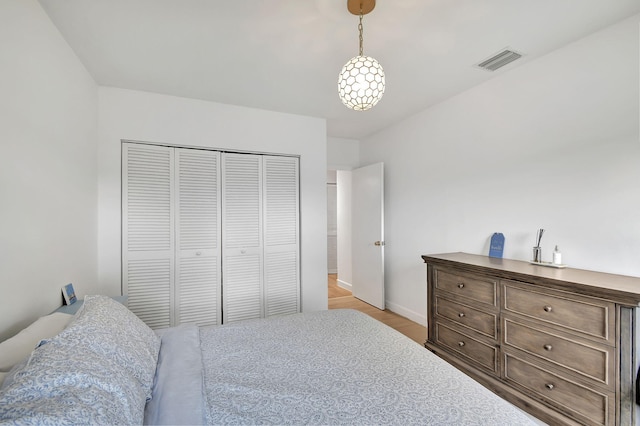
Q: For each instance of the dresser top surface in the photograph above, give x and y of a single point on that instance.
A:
(620, 288)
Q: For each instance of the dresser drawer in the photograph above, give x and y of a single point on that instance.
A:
(476, 288)
(592, 360)
(483, 322)
(592, 317)
(471, 348)
(587, 405)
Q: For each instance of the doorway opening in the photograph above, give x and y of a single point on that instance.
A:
(334, 289)
(355, 231)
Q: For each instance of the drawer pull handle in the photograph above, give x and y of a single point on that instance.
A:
(547, 347)
(548, 309)
(460, 285)
(461, 344)
(461, 314)
(549, 386)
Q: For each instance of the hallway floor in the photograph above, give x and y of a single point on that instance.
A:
(340, 298)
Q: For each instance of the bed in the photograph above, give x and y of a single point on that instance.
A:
(330, 367)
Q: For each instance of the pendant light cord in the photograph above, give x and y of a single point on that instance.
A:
(360, 30)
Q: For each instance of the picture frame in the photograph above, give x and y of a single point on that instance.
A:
(69, 294)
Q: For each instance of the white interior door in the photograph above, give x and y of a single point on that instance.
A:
(368, 234)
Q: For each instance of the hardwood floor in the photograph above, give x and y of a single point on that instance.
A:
(334, 289)
(340, 298)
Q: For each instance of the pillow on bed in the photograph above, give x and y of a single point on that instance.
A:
(18, 347)
(64, 384)
(107, 328)
(8, 377)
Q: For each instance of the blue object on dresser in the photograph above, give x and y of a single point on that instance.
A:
(497, 245)
(72, 309)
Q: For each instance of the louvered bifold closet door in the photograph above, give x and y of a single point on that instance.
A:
(148, 249)
(282, 239)
(242, 289)
(197, 285)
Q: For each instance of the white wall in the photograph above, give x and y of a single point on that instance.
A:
(48, 117)
(133, 115)
(345, 269)
(343, 154)
(332, 223)
(550, 144)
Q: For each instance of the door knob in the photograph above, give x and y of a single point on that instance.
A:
(379, 243)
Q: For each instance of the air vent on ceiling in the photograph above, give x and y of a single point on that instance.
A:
(500, 60)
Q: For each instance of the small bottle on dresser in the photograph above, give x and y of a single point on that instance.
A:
(557, 257)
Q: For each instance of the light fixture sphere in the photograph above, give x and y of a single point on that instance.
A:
(361, 83)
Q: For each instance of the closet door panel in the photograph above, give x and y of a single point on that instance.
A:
(197, 289)
(147, 230)
(282, 290)
(242, 263)
(243, 288)
(149, 290)
(282, 239)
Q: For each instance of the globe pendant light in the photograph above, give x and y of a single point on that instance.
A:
(361, 81)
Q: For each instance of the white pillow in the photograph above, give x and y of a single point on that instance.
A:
(15, 349)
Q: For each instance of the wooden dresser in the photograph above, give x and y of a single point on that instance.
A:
(558, 343)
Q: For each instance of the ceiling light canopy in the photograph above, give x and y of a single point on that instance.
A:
(361, 81)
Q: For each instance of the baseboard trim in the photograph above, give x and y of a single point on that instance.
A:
(345, 285)
(407, 313)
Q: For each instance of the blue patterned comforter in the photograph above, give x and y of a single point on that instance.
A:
(331, 367)
(337, 367)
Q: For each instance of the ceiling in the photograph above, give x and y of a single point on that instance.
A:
(285, 55)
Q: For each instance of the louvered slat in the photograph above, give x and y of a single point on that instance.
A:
(149, 291)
